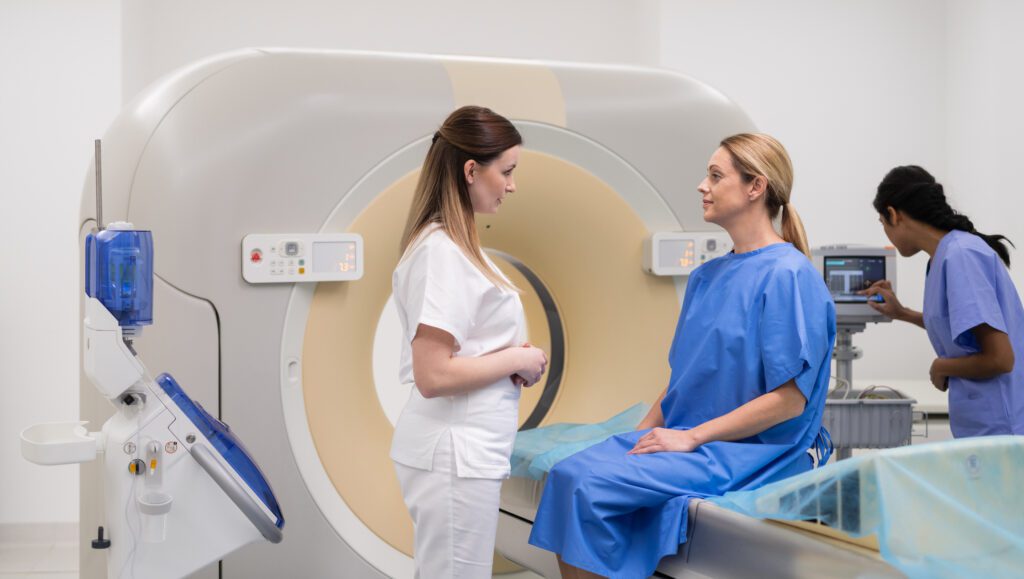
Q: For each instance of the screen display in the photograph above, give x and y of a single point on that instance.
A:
(847, 275)
(334, 256)
(677, 253)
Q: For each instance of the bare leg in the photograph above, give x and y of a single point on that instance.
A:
(567, 570)
(570, 572)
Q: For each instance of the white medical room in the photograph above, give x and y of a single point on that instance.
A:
(518, 290)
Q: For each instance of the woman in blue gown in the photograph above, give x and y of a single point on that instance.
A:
(750, 361)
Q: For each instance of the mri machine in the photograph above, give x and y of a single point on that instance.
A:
(299, 144)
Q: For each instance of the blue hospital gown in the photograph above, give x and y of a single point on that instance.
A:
(750, 323)
(968, 285)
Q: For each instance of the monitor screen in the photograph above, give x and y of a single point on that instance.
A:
(847, 275)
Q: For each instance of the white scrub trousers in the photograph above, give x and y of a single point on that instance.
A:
(454, 519)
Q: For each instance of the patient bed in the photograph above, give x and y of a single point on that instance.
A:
(940, 509)
(721, 543)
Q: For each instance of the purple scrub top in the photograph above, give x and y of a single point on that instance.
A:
(968, 285)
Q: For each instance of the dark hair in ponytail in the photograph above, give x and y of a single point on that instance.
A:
(914, 191)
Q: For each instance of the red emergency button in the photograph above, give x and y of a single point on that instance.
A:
(256, 256)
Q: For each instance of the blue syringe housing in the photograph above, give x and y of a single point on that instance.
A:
(119, 273)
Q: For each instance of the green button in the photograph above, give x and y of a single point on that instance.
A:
(302, 262)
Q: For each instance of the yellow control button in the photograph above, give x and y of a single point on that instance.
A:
(302, 270)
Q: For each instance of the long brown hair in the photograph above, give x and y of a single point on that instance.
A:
(760, 155)
(442, 194)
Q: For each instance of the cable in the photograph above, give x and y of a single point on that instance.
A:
(840, 383)
(870, 393)
(132, 534)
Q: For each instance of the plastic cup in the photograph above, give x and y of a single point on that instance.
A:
(154, 506)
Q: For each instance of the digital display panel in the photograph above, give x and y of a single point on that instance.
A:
(677, 253)
(847, 275)
(334, 256)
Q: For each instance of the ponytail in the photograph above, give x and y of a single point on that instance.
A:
(914, 191)
(793, 229)
(760, 155)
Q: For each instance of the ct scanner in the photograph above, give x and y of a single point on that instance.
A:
(289, 143)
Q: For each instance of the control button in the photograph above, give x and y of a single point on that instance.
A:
(302, 262)
(256, 257)
(302, 270)
(291, 248)
(291, 271)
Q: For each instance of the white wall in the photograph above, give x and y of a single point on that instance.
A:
(161, 36)
(60, 86)
(65, 66)
(851, 89)
(856, 88)
(985, 121)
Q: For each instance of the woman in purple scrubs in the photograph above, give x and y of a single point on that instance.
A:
(972, 311)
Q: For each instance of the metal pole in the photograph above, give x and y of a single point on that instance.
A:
(844, 355)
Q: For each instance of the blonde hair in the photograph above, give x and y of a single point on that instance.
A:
(760, 155)
(442, 194)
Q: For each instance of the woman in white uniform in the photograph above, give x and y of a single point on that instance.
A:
(463, 349)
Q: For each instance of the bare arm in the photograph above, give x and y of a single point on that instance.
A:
(438, 372)
(892, 307)
(654, 417)
(911, 316)
(995, 358)
(756, 416)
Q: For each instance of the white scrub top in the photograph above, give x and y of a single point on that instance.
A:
(437, 285)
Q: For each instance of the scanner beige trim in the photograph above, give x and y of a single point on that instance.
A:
(589, 266)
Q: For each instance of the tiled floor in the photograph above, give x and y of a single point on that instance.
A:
(60, 561)
(38, 559)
